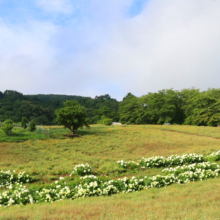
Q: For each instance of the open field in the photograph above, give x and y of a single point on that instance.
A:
(102, 147)
(196, 130)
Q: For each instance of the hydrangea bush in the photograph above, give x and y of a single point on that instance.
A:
(160, 161)
(7, 178)
(127, 165)
(215, 156)
(82, 170)
(90, 185)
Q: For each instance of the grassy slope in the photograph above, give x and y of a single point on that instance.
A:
(101, 147)
(197, 130)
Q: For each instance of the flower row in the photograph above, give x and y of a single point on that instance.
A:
(160, 161)
(7, 178)
(192, 167)
(94, 186)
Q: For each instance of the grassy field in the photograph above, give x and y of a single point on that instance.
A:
(195, 130)
(18, 134)
(101, 147)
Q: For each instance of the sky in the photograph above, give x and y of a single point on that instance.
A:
(98, 47)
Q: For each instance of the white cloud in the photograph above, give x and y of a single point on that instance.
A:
(171, 44)
(26, 56)
(58, 6)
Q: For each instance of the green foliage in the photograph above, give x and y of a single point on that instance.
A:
(131, 111)
(107, 121)
(7, 126)
(41, 108)
(72, 116)
(32, 126)
(188, 106)
(203, 108)
(24, 122)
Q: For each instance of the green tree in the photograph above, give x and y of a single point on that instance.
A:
(24, 122)
(32, 125)
(129, 110)
(7, 126)
(165, 106)
(107, 121)
(203, 108)
(72, 116)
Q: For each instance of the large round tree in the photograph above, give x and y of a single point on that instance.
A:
(72, 116)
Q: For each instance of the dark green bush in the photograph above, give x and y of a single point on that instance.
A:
(32, 126)
(107, 121)
(7, 126)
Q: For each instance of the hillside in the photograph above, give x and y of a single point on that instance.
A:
(41, 108)
(46, 161)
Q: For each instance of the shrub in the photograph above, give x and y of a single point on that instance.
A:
(107, 121)
(32, 126)
(82, 170)
(24, 122)
(7, 126)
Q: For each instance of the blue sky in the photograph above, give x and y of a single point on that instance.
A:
(18, 11)
(96, 47)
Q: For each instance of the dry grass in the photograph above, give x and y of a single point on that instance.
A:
(196, 130)
(101, 147)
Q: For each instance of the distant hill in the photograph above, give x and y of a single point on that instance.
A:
(41, 107)
(53, 97)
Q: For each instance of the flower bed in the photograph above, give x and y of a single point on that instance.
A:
(7, 178)
(90, 185)
(94, 186)
(82, 170)
(160, 161)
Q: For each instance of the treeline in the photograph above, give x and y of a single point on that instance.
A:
(14, 105)
(188, 106)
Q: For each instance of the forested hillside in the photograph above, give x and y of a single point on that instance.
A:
(188, 106)
(41, 108)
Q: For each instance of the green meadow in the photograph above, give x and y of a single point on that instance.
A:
(55, 154)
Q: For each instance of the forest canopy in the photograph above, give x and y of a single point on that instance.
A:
(188, 106)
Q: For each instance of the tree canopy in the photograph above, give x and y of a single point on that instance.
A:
(72, 116)
(188, 106)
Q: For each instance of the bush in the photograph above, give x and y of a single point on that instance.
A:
(107, 121)
(32, 126)
(7, 126)
(24, 122)
(82, 170)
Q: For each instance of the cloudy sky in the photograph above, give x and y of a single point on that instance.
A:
(97, 47)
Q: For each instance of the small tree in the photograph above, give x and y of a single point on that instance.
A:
(32, 125)
(72, 116)
(7, 126)
(107, 121)
(24, 122)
